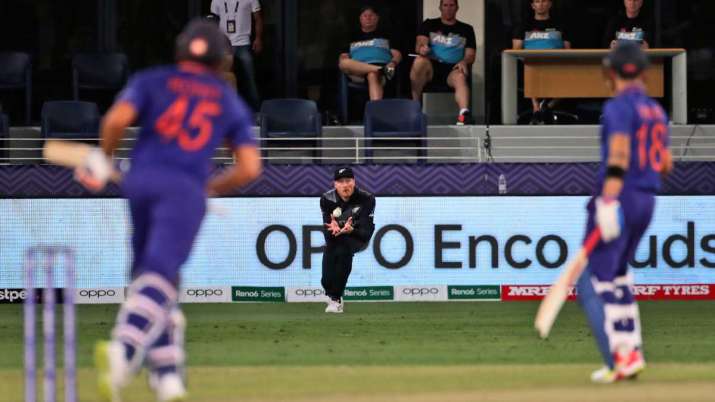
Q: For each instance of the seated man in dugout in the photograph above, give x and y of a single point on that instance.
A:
(446, 49)
(540, 31)
(631, 25)
(371, 55)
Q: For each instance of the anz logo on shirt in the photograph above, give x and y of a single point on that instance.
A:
(549, 39)
(450, 40)
(637, 35)
(533, 35)
(379, 43)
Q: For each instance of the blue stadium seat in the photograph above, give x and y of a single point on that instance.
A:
(16, 73)
(98, 71)
(70, 120)
(346, 86)
(283, 119)
(395, 118)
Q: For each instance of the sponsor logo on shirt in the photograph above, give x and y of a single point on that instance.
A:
(534, 35)
(379, 43)
(636, 34)
(450, 40)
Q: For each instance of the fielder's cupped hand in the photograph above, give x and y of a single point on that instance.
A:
(333, 226)
(348, 227)
(609, 217)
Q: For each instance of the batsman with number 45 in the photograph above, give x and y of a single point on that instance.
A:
(185, 111)
(634, 155)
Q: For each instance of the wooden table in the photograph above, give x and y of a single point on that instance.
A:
(577, 73)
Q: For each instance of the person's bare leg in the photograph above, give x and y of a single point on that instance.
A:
(420, 75)
(535, 106)
(458, 81)
(357, 68)
(374, 85)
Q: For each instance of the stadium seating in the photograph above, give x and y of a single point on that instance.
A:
(388, 120)
(346, 85)
(98, 71)
(70, 120)
(16, 73)
(285, 120)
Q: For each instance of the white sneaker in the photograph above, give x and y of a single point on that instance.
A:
(604, 375)
(628, 366)
(334, 307)
(113, 371)
(170, 388)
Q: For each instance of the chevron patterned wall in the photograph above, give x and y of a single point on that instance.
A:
(689, 178)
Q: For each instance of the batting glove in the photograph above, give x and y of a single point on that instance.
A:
(95, 171)
(609, 217)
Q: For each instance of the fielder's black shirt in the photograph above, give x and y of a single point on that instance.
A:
(360, 206)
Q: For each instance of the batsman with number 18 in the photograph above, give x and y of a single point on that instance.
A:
(634, 155)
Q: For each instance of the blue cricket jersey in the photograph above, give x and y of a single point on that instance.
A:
(633, 113)
(185, 113)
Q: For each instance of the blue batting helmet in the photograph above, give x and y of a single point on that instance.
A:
(626, 59)
(201, 41)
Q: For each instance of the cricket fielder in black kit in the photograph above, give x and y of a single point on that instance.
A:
(348, 218)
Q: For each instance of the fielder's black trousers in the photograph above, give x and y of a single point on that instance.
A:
(338, 263)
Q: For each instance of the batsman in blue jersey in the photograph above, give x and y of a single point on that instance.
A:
(185, 112)
(634, 155)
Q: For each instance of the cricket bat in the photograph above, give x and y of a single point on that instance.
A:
(559, 291)
(71, 154)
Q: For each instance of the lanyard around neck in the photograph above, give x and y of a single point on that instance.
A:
(235, 9)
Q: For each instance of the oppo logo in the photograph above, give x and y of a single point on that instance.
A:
(97, 293)
(420, 291)
(309, 292)
(204, 292)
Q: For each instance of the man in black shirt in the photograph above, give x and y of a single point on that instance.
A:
(541, 31)
(371, 54)
(631, 25)
(446, 49)
(348, 219)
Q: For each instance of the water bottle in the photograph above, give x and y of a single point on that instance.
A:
(502, 184)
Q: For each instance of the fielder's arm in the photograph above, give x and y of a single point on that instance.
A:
(365, 222)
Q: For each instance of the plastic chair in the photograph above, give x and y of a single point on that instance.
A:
(284, 119)
(390, 118)
(70, 120)
(16, 73)
(346, 86)
(98, 71)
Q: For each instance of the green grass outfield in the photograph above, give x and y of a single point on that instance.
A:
(402, 352)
